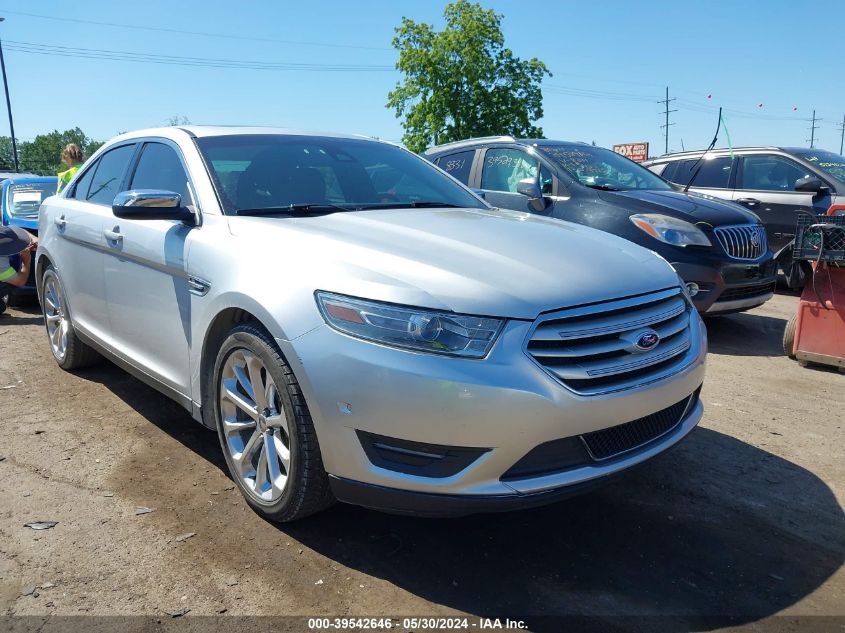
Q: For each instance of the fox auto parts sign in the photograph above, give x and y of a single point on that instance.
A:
(635, 151)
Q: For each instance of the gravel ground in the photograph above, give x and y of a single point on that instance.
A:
(743, 519)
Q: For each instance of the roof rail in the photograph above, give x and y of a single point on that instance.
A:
(469, 141)
(694, 152)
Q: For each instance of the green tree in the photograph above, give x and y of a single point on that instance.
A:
(7, 157)
(462, 81)
(43, 154)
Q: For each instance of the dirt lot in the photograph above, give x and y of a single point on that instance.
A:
(743, 519)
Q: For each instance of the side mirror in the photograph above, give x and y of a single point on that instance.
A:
(151, 204)
(530, 187)
(810, 184)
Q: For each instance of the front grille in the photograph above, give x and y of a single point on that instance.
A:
(614, 441)
(747, 292)
(593, 349)
(743, 241)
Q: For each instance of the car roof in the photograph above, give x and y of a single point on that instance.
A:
(486, 140)
(727, 150)
(6, 175)
(175, 132)
(22, 179)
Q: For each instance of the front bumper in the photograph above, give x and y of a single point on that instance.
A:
(729, 285)
(505, 404)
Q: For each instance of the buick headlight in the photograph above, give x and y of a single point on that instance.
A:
(670, 230)
(410, 328)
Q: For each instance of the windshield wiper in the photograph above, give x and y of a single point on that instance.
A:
(604, 187)
(418, 204)
(430, 204)
(293, 209)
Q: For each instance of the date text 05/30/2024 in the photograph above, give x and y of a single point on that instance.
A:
(415, 624)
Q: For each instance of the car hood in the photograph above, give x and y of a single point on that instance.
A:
(692, 207)
(488, 262)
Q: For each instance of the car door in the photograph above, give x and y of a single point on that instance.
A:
(766, 186)
(501, 170)
(78, 250)
(146, 279)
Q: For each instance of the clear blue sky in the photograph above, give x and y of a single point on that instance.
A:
(616, 57)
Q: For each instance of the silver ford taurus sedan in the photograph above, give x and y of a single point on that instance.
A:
(359, 326)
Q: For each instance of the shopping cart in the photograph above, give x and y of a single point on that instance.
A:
(816, 334)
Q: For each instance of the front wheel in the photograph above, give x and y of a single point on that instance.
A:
(265, 428)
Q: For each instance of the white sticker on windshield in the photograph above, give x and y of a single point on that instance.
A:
(27, 196)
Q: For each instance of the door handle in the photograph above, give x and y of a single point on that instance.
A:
(60, 222)
(113, 236)
(751, 202)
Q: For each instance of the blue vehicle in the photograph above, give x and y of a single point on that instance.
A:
(20, 198)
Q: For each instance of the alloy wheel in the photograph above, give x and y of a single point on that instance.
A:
(56, 316)
(255, 426)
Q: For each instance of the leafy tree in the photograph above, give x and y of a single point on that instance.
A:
(7, 157)
(43, 155)
(462, 81)
(178, 119)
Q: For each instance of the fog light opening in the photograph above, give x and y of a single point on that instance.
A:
(692, 289)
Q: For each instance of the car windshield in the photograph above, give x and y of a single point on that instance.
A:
(274, 171)
(601, 168)
(830, 163)
(24, 199)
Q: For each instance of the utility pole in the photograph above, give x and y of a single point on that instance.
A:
(9, 107)
(842, 135)
(813, 128)
(666, 125)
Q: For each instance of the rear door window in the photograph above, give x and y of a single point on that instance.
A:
(80, 190)
(108, 175)
(714, 173)
(458, 165)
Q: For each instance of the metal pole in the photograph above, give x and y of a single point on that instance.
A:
(813, 132)
(842, 136)
(9, 107)
(666, 149)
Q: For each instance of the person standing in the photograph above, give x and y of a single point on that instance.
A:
(72, 157)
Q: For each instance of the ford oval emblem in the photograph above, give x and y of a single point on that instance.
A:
(646, 340)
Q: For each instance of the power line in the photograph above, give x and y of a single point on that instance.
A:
(93, 53)
(666, 125)
(159, 29)
(813, 128)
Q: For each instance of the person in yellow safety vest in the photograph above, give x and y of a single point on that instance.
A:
(72, 157)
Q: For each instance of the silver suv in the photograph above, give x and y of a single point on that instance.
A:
(357, 325)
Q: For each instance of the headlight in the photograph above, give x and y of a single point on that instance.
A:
(670, 230)
(410, 328)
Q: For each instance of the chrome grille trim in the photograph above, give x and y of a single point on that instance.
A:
(588, 349)
(738, 241)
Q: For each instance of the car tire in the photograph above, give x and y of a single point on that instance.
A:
(789, 337)
(67, 348)
(256, 431)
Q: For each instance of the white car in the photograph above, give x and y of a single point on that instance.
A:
(357, 325)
